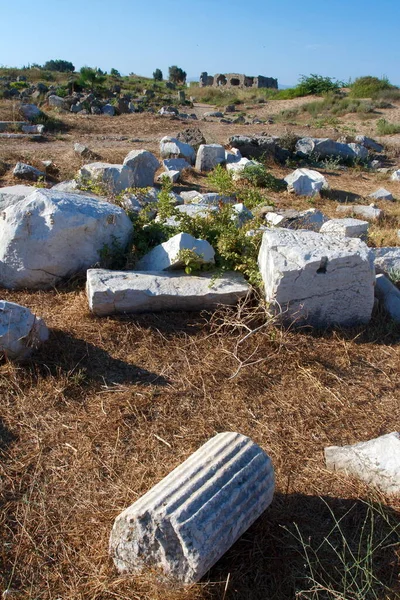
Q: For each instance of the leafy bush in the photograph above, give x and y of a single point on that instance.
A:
(158, 75)
(176, 74)
(115, 73)
(258, 176)
(383, 127)
(317, 85)
(91, 78)
(62, 66)
(369, 87)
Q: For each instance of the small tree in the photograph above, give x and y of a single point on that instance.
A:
(62, 66)
(91, 78)
(115, 73)
(176, 74)
(157, 75)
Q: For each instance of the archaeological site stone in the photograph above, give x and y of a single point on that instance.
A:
(171, 147)
(21, 332)
(166, 255)
(353, 228)
(381, 194)
(209, 156)
(186, 522)
(387, 259)
(50, 235)
(317, 279)
(112, 292)
(236, 80)
(377, 462)
(371, 212)
(306, 182)
(389, 296)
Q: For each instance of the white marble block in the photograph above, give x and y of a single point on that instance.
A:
(376, 461)
(112, 292)
(317, 279)
(186, 522)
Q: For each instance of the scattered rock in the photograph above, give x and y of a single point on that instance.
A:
(192, 136)
(371, 212)
(57, 102)
(14, 193)
(112, 292)
(209, 156)
(381, 194)
(352, 228)
(254, 147)
(166, 256)
(21, 332)
(389, 295)
(369, 143)
(143, 165)
(30, 111)
(109, 110)
(237, 168)
(168, 111)
(311, 219)
(387, 259)
(377, 462)
(173, 148)
(50, 235)
(317, 279)
(214, 113)
(185, 523)
(84, 151)
(24, 171)
(325, 147)
(396, 175)
(306, 182)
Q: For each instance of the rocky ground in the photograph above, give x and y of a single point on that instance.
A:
(107, 407)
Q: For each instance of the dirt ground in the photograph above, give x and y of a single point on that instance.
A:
(110, 405)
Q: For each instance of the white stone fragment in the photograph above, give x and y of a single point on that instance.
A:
(381, 194)
(14, 193)
(387, 259)
(353, 228)
(306, 182)
(111, 292)
(186, 522)
(389, 295)
(209, 156)
(377, 461)
(396, 175)
(371, 212)
(171, 147)
(143, 165)
(21, 332)
(317, 279)
(50, 235)
(165, 256)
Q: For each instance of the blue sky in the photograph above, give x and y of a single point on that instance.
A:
(337, 38)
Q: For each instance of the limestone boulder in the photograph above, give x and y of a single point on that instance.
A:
(209, 156)
(382, 194)
(171, 147)
(143, 165)
(30, 111)
(14, 193)
(369, 143)
(24, 171)
(325, 148)
(395, 175)
(51, 235)
(317, 279)
(113, 292)
(377, 461)
(21, 332)
(306, 182)
(166, 255)
(387, 259)
(370, 212)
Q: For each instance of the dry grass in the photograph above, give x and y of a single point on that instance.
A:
(109, 406)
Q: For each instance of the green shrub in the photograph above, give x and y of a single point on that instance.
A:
(369, 87)
(258, 176)
(383, 127)
(317, 85)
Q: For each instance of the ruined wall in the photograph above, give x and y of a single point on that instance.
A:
(236, 80)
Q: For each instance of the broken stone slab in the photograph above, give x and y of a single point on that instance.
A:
(213, 199)
(143, 165)
(232, 156)
(209, 156)
(24, 171)
(377, 461)
(381, 194)
(352, 228)
(191, 196)
(33, 128)
(186, 522)
(113, 292)
(389, 295)
(173, 176)
(175, 164)
(369, 143)
(326, 147)
(371, 212)
(306, 182)
(166, 255)
(50, 235)
(14, 193)
(311, 219)
(21, 332)
(171, 147)
(396, 175)
(30, 111)
(387, 259)
(317, 279)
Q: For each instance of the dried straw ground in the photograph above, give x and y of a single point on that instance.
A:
(109, 406)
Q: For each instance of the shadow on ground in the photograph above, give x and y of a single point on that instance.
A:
(313, 547)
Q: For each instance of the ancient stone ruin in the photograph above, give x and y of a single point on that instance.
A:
(232, 80)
